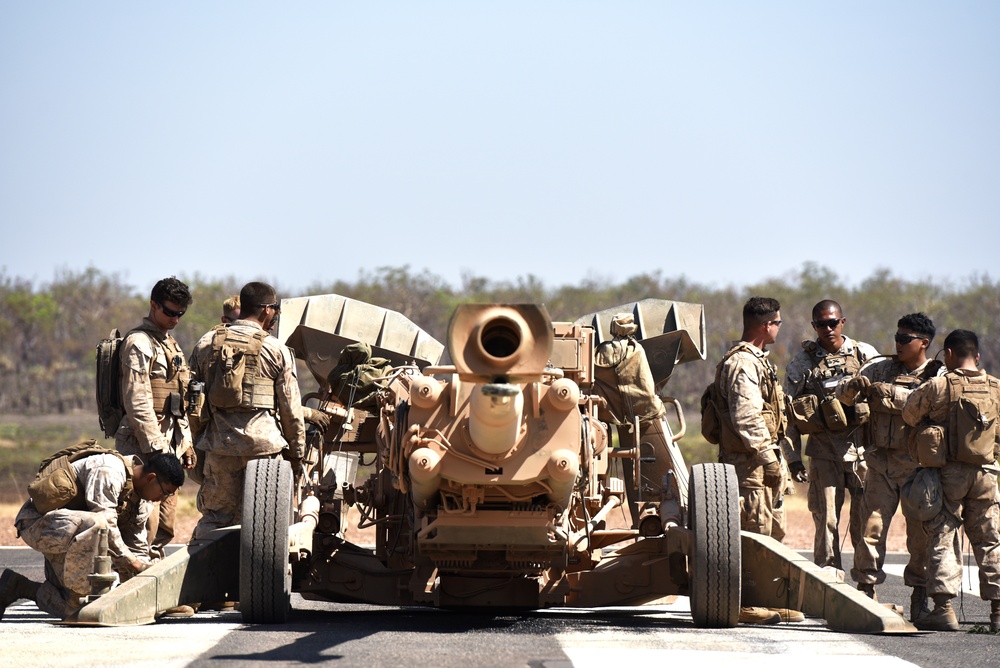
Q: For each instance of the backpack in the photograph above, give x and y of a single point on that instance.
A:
(56, 485)
(355, 381)
(233, 381)
(713, 418)
(623, 379)
(109, 389)
(972, 418)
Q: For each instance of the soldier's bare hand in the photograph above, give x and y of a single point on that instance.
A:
(189, 459)
(138, 566)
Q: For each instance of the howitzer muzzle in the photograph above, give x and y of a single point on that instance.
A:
(500, 341)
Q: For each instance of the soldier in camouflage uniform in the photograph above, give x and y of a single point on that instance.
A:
(968, 474)
(154, 377)
(885, 384)
(270, 425)
(835, 455)
(231, 310)
(69, 537)
(751, 412)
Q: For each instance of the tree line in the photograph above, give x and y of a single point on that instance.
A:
(48, 332)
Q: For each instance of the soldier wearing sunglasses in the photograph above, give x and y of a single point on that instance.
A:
(264, 421)
(885, 384)
(154, 378)
(834, 443)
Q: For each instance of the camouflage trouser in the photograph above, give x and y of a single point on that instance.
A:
(761, 507)
(778, 523)
(758, 513)
(68, 540)
(220, 499)
(887, 471)
(161, 525)
(970, 501)
(828, 480)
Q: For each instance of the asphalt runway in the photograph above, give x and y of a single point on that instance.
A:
(360, 635)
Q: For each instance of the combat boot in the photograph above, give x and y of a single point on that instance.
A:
(918, 603)
(995, 615)
(868, 589)
(751, 615)
(789, 615)
(941, 618)
(177, 612)
(13, 587)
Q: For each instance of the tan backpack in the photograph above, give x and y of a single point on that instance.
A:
(972, 418)
(56, 485)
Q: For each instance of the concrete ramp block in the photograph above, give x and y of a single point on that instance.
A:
(207, 571)
(776, 577)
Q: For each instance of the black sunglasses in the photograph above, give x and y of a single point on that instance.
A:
(170, 313)
(829, 324)
(906, 338)
(276, 306)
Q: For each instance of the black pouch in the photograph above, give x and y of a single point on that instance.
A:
(175, 405)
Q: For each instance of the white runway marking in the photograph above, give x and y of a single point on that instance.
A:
(763, 646)
(165, 644)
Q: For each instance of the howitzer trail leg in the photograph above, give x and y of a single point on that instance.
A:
(201, 572)
(775, 576)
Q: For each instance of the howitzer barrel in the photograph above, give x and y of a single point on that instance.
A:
(509, 341)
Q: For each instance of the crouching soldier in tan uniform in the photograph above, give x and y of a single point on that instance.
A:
(752, 421)
(834, 446)
(885, 385)
(154, 378)
(954, 417)
(112, 492)
(258, 415)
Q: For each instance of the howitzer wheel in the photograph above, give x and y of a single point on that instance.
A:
(715, 569)
(265, 574)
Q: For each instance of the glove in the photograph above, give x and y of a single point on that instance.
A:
(316, 417)
(798, 471)
(858, 385)
(773, 475)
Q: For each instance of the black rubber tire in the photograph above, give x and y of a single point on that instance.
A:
(715, 568)
(265, 574)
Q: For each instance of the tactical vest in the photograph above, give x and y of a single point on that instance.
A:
(235, 381)
(771, 392)
(816, 408)
(886, 428)
(56, 485)
(168, 392)
(972, 418)
(969, 431)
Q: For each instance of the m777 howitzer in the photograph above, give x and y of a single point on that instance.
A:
(490, 484)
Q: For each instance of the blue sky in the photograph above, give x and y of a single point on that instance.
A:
(725, 141)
